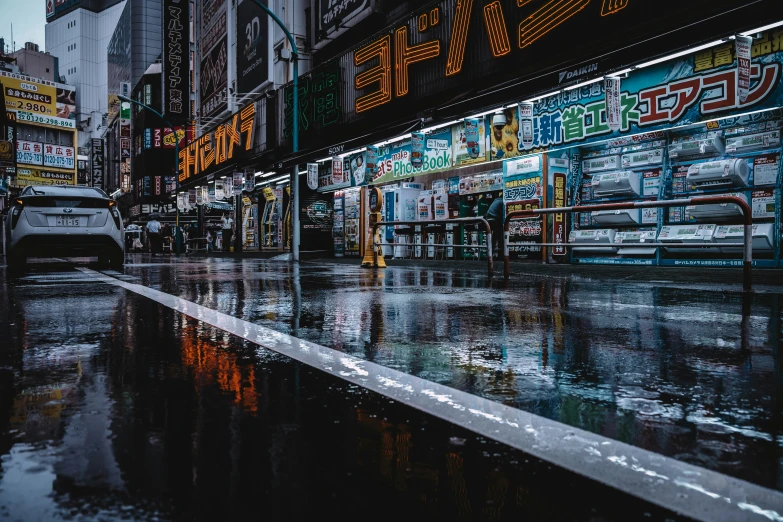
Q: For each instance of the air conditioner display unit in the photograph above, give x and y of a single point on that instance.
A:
(611, 184)
(712, 146)
(598, 241)
(715, 211)
(764, 140)
(632, 243)
(643, 158)
(593, 165)
(715, 174)
(631, 216)
(763, 237)
(687, 234)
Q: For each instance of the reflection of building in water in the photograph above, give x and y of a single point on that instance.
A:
(212, 365)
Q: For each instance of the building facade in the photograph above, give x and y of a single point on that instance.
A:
(78, 34)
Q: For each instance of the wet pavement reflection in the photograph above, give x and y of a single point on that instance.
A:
(692, 373)
(114, 407)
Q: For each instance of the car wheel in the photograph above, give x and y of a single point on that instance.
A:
(117, 262)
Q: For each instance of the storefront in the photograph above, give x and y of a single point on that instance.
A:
(707, 121)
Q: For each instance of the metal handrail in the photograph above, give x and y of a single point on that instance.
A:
(747, 221)
(479, 220)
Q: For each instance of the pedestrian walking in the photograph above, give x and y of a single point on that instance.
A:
(227, 224)
(210, 239)
(495, 215)
(153, 232)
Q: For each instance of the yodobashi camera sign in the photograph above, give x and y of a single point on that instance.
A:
(394, 161)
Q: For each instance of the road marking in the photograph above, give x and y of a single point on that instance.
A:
(683, 488)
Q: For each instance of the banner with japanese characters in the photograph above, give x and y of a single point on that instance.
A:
(523, 189)
(687, 90)
(59, 156)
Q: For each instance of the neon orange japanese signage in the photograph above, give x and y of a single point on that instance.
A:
(545, 16)
(219, 147)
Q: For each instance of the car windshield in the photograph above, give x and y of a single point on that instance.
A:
(64, 202)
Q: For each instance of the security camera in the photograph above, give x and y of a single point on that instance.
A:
(499, 120)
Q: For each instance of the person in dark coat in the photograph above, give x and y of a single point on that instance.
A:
(496, 216)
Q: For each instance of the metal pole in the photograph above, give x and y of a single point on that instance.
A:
(177, 235)
(294, 137)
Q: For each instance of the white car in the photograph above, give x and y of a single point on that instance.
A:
(64, 221)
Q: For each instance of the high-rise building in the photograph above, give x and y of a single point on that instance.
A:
(78, 34)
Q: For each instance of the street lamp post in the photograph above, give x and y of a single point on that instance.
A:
(177, 235)
(295, 135)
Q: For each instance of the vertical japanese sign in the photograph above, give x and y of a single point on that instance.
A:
(337, 170)
(239, 181)
(743, 44)
(559, 226)
(97, 163)
(417, 150)
(191, 197)
(613, 105)
(312, 175)
(176, 74)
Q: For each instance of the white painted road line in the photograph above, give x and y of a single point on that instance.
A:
(683, 488)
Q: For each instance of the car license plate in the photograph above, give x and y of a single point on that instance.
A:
(68, 221)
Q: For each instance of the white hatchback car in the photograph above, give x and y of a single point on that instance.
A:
(64, 221)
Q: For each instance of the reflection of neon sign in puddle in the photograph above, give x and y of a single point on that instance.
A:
(319, 213)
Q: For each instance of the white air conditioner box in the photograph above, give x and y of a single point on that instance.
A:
(712, 146)
(599, 241)
(632, 243)
(643, 158)
(593, 165)
(631, 216)
(614, 184)
(761, 141)
(687, 234)
(763, 237)
(715, 174)
(715, 211)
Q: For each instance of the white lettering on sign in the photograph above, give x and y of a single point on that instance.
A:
(336, 149)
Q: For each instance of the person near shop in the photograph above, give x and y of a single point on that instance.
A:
(153, 233)
(227, 224)
(210, 239)
(495, 215)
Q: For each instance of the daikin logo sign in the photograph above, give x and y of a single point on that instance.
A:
(576, 73)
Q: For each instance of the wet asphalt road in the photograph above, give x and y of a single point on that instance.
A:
(113, 406)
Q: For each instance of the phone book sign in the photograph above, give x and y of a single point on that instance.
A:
(687, 90)
(396, 161)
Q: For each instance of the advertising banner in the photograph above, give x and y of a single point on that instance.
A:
(97, 163)
(503, 132)
(523, 190)
(219, 189)
(28, 94)
(337, 171)
(417, 150)
(612, 101)
(743, 49)
(59, 156)
(66, 103)
(370, 163)
(333, 16)
(253, 59)
(525, 134)
(687, 90)
(29, 152)
(214, 58)
(559, 220)
(238, 181)
(192, 200)
(468, 142)
(176, 59)
(394, 160)
(312, 175)
(25, 176)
